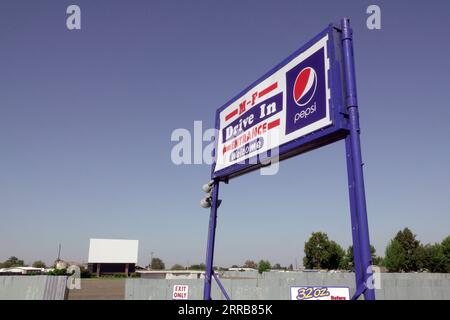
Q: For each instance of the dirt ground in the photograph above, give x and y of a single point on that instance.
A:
(99, 289)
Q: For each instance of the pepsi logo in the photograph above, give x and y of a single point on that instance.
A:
(305, 86)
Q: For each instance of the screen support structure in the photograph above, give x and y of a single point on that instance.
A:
(358, 212)
(360, 228)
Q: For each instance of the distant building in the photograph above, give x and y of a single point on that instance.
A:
(241, 269)
(21, 271)
(112, 256)
(171, 274)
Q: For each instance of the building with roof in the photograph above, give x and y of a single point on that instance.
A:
(22, 271)
(112, 256)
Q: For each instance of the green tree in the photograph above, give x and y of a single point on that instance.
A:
(446, 246)
(39, 264)
(250, 264)
(277, 266)
(177, 267)
(12, 262)
(434, 259)
(263, 265)
(157, 264)
(348, 261)
(336, 253)
(322, 253)
(291, 267)
(404, 253)
(394, 259)
(199, 267)
(446, 251)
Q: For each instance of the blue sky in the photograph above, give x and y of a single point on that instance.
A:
(86, 118)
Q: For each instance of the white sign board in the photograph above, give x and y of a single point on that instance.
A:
(320, 293)
(180, 292)
(113, 251)
(290, 103)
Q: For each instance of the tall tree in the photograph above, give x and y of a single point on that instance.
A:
(277, 266)
(348, 261)
(177, 267)
(157, 264)
(322, 253)
(434, 259)
(39, 264)
(336, 253)
(12, 262)
(394, 259)
(263, 265)
(404, 252)
(200, 267)
(446, 250)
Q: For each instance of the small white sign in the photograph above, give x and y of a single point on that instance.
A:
(320, 293)
(180, 292)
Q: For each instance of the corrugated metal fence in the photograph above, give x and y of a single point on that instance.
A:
(274, 285)
(271, 285)
(33, 287)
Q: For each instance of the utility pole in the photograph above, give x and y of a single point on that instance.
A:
(59, 253)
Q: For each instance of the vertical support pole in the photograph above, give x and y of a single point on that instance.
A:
(98, 269)
(353, 213)
(211, 240)
(355, 155)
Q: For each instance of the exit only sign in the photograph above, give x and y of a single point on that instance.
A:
(180, 292)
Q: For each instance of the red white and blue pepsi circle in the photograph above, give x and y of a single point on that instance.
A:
(306, 92)
(305, 86)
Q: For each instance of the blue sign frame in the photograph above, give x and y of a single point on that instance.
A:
(345, 124)
(332, 133)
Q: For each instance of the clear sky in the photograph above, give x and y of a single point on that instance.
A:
(86, 118)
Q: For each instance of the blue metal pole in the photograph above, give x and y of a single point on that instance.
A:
(353, 213)
(211, 240)
(355, 149)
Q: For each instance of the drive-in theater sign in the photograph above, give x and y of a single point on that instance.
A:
(305, 102)
(291, 103)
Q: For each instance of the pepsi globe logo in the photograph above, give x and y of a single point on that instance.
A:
(306, 92)
(305, 86)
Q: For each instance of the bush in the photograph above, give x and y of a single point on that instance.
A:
(85, 273)
(119, 275)
(58, 272)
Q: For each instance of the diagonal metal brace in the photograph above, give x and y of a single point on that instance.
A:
(359, 291)
(220, 286)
